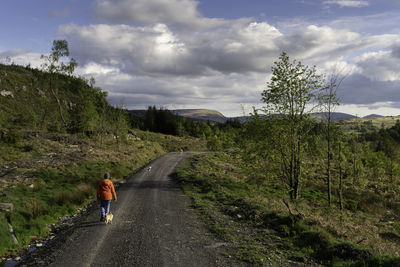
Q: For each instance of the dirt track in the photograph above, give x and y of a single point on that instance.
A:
(153, 226)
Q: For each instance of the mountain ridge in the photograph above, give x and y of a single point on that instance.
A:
(211, 115)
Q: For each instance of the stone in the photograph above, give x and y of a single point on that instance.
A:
(7, 93)
(6, 206)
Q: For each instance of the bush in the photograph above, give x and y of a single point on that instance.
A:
(12, 136)
(35, 207)
(64, 198)
(5, 236)
(371, 202)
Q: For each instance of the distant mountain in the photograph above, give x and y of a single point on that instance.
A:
(335, 116)
(201, 114)
(194, 114)
(216, 116)
(373, 116)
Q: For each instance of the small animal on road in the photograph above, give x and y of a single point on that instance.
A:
(149, 168)
(109, 218)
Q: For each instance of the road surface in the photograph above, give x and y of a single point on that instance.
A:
(153, 226)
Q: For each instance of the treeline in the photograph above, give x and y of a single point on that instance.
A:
(218, 135)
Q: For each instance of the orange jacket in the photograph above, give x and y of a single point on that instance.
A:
(105, 190)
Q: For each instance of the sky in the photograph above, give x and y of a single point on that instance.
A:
(214, 54)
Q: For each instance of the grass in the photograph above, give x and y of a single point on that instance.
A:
(250, 214)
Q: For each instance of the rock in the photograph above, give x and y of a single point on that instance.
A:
(6, 206)
(7, 93)
(39, 245)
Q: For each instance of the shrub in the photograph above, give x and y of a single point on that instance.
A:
(63, 198)
(371, 202)
(35, 207)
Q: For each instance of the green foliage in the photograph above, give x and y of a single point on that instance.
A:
(5, 235)
(292, 94)
(52, 62)
(213, 143)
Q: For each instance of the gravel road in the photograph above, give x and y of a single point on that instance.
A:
(153, 226)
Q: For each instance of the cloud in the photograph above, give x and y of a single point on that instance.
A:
(21, 57)
(396, 50)
(147, 65)
(165, 53)
(139, 92)
(181, 13)
(379, 66)
(156, 50)
(347, 3)
(361, 90)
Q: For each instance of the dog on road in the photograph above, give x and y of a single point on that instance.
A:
(149, 168)
(109, 218)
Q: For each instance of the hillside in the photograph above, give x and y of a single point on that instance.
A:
(33, 99)
(202, 115)
(370, 116)
(367, 124)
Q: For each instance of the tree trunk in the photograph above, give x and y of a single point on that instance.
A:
(329, 167)
(58, 103)
(340, 178)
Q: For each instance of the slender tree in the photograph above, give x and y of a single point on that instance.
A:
(54, 66)
(292, 95)
(329, 102)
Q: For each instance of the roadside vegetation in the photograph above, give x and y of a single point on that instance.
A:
(300, 188)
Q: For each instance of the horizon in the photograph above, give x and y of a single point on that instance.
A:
(334, 112)
(182, 54)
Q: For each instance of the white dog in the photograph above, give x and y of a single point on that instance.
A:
(109, 218)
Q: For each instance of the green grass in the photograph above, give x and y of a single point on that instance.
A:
(55, 193)
(262, 225)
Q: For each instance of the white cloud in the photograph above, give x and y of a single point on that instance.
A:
(347, 3)
(21, 57)
(171, 12)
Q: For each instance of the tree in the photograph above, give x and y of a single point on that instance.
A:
(291, 96)
(329, 101)
(53, 65)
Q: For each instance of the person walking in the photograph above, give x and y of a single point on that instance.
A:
(105, 193)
